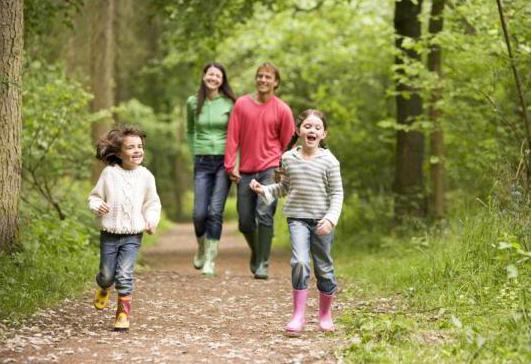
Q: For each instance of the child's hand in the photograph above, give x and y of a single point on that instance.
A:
(150, 228)
(256, 186)
(324, 227)
(103, 209)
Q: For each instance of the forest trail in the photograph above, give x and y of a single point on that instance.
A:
(179, 316)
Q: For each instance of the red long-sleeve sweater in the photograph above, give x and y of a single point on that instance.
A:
(260, 131)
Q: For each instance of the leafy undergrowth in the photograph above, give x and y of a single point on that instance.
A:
(456, 296)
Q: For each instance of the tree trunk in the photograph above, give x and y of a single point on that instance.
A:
(11, 46)
(437, 135)
(526, 158)
(102, 69)
(408, 184)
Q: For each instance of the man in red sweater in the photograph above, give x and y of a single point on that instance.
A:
(260, 127)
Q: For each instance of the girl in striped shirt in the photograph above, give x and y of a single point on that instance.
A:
(312, 183)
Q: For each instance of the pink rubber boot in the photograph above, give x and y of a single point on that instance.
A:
(295, 326)
(325, 312)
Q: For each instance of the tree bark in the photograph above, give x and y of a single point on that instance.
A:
(409, 183)
(437, 135)
(102, 69)
(11, 46)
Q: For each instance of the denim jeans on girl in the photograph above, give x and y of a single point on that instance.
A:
(117, 261)
(306, 242)
(210, 193)
(252, 210)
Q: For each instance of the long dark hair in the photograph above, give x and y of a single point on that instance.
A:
(303, 116)
(110, 145)
(224, 88)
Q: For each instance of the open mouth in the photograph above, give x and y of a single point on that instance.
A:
(311, 138)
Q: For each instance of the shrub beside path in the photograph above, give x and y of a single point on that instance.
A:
(180, 316)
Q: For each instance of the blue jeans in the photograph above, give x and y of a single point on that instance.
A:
(252, 211)
(211, 189)
(305, 241)
(117, 261)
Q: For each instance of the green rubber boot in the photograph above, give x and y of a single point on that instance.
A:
(263, 251)
(211, 251)
(250, 238)
(199, 257)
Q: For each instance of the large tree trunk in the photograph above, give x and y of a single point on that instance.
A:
(437, 135)
(102, 68)
(408, 184)
(11, 46)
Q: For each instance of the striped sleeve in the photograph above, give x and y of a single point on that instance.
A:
(276, 190)
(335, 194)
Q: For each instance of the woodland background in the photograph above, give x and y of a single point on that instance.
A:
(427, 105)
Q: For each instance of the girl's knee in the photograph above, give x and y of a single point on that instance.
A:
(104, 279)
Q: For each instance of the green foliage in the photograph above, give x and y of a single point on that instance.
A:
(39, 15)
(467, 285)
(57, 261)
(334, 58)
(56, 147)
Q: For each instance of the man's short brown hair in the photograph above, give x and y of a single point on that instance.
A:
(270, 66)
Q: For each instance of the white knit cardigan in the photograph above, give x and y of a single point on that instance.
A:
(132, 198)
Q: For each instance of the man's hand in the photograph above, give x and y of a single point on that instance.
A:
(256, 186)
(103, 209)
(324, 227)
(234, 176)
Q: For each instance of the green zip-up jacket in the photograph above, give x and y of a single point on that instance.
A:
(207, 132)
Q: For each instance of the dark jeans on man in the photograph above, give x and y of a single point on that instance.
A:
(252, 210)
(255, 219)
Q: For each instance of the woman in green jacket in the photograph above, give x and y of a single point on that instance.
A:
(207, 117)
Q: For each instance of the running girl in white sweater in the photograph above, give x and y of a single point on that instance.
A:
(126, 204)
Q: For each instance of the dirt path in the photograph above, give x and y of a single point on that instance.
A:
(180, 316)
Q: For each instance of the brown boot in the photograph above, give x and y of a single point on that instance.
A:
(123, 311)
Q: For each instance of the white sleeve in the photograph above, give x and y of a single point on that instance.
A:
(151, 207)
(97, 195)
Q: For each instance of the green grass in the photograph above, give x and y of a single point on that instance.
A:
(456, 296)
(57, 262)
(60, 259)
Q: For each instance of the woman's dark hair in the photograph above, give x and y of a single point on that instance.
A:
(224, 88)
(110, 145)
(303, 116)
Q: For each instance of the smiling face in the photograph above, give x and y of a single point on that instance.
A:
(213, 78)
(131, 152)
(311, 131)
(266, 81)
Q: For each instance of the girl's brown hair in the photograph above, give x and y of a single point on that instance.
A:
(110, 145)
(303, 116)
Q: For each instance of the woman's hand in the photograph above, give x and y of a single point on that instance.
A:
(324, 227)
(103, 209)
(256, 186)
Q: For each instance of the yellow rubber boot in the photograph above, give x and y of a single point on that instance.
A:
(123, 312)
(101, 298)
